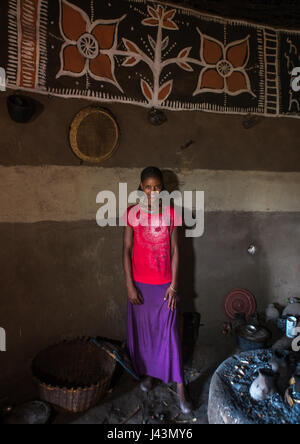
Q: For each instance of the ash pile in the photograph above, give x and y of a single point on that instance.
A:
(262, 387)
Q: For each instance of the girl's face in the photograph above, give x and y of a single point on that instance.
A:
(151, 184)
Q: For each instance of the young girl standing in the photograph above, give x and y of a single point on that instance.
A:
(150, 261)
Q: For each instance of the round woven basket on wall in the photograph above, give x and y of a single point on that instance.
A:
(94, 134)
(74, 374)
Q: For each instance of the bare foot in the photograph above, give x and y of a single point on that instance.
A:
(185, 403)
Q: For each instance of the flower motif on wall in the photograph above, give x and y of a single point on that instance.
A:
(160, 16)
(224, 66)
(89, 46)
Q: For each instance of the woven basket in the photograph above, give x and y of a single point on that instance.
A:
(73, 374)
(94, 134)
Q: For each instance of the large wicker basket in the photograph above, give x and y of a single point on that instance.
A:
(73, 374)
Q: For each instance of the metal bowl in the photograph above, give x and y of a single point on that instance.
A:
(251, 329)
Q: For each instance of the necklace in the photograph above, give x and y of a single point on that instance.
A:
(146, 209)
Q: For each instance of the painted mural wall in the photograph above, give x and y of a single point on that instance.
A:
(152, 55)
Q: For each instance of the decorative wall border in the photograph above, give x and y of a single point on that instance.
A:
(29, 59)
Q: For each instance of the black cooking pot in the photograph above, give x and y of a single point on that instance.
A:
(246, 345)
(20, 108)
(251, 337)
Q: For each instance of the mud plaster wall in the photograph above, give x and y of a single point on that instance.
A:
(61, 274)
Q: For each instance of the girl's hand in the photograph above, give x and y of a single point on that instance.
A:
(172, 296)
(135, 296)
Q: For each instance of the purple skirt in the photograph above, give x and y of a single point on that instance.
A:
(153, 339)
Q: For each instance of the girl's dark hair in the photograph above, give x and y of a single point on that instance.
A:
(152, 171)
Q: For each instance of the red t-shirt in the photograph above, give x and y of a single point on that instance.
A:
(151, 259)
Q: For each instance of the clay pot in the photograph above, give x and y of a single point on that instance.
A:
(20, 108)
